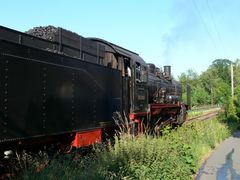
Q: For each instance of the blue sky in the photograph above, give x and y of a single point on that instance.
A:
(186, 34)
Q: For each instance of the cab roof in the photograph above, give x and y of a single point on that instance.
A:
(110, 47)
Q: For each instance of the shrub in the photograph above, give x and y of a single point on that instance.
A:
(232, 110)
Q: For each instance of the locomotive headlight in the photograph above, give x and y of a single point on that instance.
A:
(8, 154)
(163, 90)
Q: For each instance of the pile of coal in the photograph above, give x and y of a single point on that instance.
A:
(44, 32)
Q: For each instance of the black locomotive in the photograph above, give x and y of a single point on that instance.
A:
(65, 88)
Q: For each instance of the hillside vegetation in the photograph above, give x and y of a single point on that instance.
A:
(214, 86)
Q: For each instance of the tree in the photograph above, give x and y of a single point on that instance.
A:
(212, 86)
(237, 100)
(221, 92)
(200, 96)
(207, 80)
(222, 68)
(236, 72)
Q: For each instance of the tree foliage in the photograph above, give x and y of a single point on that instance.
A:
(213, 86)
(189, 78)
(222, 68)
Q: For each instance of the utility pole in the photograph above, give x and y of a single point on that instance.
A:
(189, 103)
(232, 88)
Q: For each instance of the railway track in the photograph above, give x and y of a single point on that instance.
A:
(205, 116)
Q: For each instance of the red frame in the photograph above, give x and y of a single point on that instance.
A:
(87, 138)
(155, 110)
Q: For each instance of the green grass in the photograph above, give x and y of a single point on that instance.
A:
(175, 155)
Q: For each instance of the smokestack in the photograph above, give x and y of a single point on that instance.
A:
(167, 72)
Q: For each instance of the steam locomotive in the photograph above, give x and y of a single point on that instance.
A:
(57, 86)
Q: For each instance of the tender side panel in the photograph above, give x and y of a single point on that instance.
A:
(2, 111)
(50, 94)
(24, 114)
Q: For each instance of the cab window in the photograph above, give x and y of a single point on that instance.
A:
(140, 73)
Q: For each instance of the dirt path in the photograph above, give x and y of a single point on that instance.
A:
(224, 162)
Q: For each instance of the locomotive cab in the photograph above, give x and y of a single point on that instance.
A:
(140, 87)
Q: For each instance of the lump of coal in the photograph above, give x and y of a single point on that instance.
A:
(44, 32)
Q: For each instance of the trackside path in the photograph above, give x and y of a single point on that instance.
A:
(224, 162)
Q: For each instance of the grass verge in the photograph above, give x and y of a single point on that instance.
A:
(175, 155)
